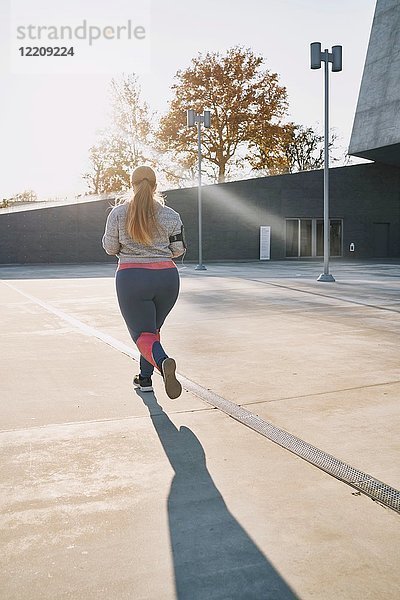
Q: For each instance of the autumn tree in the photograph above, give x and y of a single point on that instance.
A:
(295, 148)
(95, 177)
(25, 196)
(304, 149)
(131, 118)
(125, 143)
(110, 161)
(240, 93)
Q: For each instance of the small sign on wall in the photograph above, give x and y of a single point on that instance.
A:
(265, 242)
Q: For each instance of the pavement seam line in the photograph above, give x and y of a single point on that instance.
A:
(110, 420)
(360, 387)
(293, 289)
(91, 331)
(363, 482)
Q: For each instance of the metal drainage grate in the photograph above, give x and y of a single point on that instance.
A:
(375, 489)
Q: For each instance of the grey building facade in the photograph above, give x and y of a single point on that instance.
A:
(376, 129)
(365, 211)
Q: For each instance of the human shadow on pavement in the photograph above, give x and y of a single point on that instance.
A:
(213, 555)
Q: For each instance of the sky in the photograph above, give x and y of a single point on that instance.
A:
(49, 121)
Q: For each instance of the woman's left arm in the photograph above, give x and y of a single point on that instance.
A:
(177, 242)
(110, 239)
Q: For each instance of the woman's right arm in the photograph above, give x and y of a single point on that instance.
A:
(110, 239)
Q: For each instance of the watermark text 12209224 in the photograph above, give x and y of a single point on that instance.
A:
(46, 51)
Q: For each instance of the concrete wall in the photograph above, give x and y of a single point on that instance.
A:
(376, 129)
(62, 234)
(361, 195)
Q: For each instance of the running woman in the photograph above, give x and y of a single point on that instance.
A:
(146, 235)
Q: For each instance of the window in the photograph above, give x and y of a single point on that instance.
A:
(305, 237)
(335, 235)
(292, 237)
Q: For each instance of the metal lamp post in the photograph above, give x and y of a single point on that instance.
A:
(192, 119)
(335, 57)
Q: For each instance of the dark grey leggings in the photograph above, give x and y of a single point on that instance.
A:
(145, 297)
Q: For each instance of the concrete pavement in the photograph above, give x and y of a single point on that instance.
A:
(107, 493)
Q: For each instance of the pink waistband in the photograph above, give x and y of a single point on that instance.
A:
(167, 264)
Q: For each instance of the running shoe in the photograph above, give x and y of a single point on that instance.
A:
(144, 383)
(172, 385)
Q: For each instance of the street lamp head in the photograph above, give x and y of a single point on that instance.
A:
(315, 55)
(191, 117)
(207, 118)
(336, 58)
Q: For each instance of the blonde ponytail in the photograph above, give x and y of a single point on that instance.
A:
(141, 219)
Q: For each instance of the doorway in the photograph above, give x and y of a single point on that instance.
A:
(381, 240)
